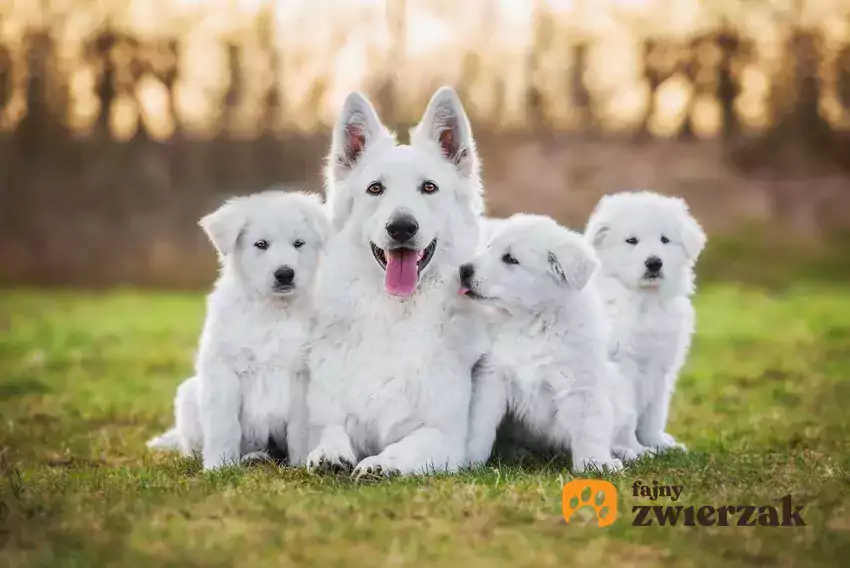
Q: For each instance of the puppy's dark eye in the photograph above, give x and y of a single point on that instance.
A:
(298, 243)
(664, 240)
(376, 188)
(508, 258)
(428, 187)
(632, 240)
(262, 244)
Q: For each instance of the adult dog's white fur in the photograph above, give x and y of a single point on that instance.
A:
(390, 375)
(548, 367)
(651, 317)
(251, 378)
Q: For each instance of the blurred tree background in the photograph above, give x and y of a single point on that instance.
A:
(122, 122)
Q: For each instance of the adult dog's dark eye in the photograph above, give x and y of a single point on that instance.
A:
(664, 240)
(632, 240)
(298, 243)
(508, 258)
(262, 244)
(376, 188)
(429, 187)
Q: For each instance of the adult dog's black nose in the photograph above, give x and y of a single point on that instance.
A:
(653, 264)
(402, 228)
(466, 272)
(284, 275)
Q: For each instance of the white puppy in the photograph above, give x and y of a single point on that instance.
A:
(548, 368)
(647, 244)
(395, 345)
(250, 378)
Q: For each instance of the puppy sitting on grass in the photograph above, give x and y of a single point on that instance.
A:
(547, 370)
(250, 380)
(648, 245)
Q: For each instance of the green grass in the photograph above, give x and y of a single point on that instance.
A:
(87, 378)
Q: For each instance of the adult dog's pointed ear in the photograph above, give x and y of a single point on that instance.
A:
(573, 262)
(356, 130)
(223, 226)
(692, 235)
(445, 124)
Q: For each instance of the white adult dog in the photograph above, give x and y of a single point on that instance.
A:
(251, 378)
(548, 368)
(648, 245)
(395, 344)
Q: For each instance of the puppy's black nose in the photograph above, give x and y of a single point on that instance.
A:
(466, 272)
(284, 275)
(402, 228)
(653, 264)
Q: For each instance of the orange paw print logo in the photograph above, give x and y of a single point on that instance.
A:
(596, 493)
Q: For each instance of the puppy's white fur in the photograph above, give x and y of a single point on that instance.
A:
(651, 317)
(390, 375)
(548, 369)
(251, 378)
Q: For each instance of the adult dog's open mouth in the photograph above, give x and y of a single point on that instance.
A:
(402, 266)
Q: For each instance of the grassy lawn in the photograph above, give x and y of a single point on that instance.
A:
(87, 378)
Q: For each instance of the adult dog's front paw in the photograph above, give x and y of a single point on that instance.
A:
(375, 467)
(330, 460)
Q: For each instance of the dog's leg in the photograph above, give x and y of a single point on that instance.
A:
(334, 452)
(425, 450)
(219, 412)
(651, 424)
(296, 429)
(626, 445)
(584, 417)
(187, 418)
(487, 408)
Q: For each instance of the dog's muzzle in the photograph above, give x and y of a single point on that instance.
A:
(402, 266)
(653, 266)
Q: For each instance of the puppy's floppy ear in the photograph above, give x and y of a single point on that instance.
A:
(317, 217)
(357, 128)
(572, 262)
(224, 225)
(692, 235)
(597, 235)
(597, 227)
(445, 123)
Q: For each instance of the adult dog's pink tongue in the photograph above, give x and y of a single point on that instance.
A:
(402, 272)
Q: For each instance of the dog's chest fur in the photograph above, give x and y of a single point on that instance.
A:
(265, 343)
(398, 364)
(542, 358)
(276, 355)
(648, 336)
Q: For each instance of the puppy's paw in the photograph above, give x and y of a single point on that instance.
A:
(375, 467)
(325, 460)
(626, 455)
(609, 464)
(662, 443)
(255, 458)
(672, 443)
